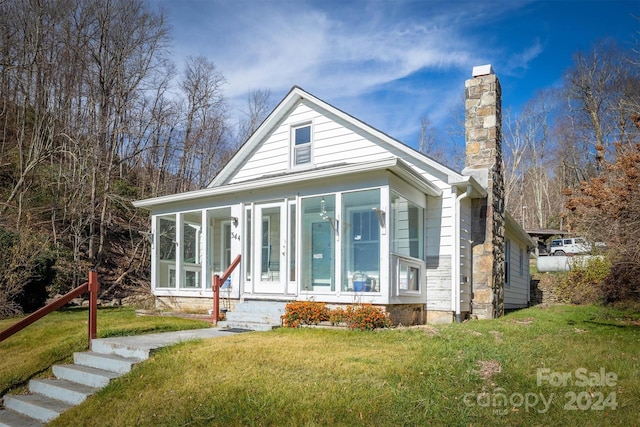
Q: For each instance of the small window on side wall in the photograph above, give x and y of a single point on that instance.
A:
(409, 275)
(301, 137)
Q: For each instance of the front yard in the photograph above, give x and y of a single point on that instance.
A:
(563, 365)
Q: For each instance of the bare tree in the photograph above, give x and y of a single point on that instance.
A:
(259, 105)
(596, 91)
(204, 126)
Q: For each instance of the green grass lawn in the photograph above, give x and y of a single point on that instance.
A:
(546, 364)
(54, 338)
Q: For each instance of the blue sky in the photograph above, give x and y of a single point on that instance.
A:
(389, 63)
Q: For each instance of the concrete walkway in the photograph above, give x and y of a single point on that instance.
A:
(149, 342)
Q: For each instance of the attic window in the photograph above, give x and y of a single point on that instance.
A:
(301, 136)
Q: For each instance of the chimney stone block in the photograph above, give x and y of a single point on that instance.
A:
(489, 122)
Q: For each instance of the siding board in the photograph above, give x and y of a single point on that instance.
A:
(439, 282)
(516, 292)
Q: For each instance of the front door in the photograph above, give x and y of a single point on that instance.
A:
(270, 249)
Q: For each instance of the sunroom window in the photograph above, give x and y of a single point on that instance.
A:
(181, 231)
(191, 232)
(167, 251)
(361, 241)
(407, 244)
(408, 227)
(317, 244)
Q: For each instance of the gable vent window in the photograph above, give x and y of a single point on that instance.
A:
(302, 145)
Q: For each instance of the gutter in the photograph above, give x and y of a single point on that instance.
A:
(393, 164)
(456, 255)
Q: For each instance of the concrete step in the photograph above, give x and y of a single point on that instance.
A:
(252, 326)
(14, 419)
(38, 407)
(255, 317)
(67, 391)
(86, 375)
(107, 362)
(276, 307)
(108, 346)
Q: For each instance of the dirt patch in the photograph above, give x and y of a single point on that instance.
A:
(427, 329)
(497, 335)
(488, 369)
(526, 321)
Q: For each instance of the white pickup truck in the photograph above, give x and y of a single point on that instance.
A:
(569, 246)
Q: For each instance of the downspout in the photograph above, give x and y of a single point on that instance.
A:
(456, 255)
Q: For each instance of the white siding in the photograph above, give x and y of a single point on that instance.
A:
(516, 292)
(439, 251)
(332, 143)
(465, 255)
(439, 283)
(272, 156)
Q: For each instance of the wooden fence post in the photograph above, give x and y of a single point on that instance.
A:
(93, 305)
(216, 297)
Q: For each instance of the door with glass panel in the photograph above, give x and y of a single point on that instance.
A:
(270, 249)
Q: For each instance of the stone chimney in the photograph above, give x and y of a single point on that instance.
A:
(483, 136)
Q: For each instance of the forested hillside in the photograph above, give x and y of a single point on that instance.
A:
(94, 114)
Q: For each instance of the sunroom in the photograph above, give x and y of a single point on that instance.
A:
(353, 233)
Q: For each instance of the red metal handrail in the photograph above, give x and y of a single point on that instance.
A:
(92, 286)
(217, 281)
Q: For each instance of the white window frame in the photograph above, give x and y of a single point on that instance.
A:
(295, 148)
(409, 263)
(521, 262)
(507, 262)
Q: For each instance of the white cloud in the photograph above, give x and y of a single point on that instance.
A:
(519, 61)
(386, 62)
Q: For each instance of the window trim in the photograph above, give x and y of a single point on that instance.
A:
(507, 263)
(409, 263)
(348, 243)
(521, 262)
(293, 145)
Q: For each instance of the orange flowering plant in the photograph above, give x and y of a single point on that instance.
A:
(304, 313)
(358, 316)
(366, 317)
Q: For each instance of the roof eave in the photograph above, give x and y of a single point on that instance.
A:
(477, 190)
(394, 165)
(517, 229)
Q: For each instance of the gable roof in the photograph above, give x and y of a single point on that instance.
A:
(284, 108)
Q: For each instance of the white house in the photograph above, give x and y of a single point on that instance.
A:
(323, 207)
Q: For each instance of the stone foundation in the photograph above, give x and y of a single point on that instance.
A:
(406, 314)
(439, 317)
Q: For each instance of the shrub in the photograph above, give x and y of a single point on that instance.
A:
(26, 269)
(337, 315)
(585, 283)
(358, 316)
(304, 313)
(366, 317)
(623, 284)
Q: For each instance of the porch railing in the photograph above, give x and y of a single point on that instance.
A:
(217, 282)
(92, 286)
